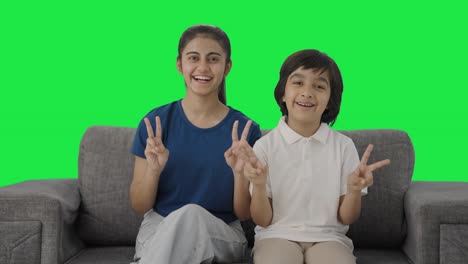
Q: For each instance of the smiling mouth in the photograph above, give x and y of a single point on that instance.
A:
(305, 104)
(202, 78)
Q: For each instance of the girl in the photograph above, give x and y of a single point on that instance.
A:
(306, 179)
(182, 182)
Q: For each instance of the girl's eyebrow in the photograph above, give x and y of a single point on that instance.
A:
(196, 53)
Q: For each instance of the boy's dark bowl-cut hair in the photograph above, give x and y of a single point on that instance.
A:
(312, 59)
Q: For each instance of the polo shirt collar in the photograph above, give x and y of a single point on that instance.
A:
(292, 136)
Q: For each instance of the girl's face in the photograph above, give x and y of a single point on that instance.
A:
(306, 95)
(203, 65)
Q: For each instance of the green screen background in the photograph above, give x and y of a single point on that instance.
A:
(68, 65)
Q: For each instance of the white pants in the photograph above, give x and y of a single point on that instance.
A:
(190, 234)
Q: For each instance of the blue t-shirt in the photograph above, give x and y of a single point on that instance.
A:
(196, 171)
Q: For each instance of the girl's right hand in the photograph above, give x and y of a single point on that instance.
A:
(155, 152)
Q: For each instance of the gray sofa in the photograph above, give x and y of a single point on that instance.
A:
(89, 219)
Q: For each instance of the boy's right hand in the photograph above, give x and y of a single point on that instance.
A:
(254, 170)
(256, 173)
(155, 152)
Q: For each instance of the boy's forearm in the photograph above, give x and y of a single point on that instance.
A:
(241, 197)
(260, 207)
(350, 208)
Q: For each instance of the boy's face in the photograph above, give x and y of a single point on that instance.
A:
(203, 65)
(306, 95)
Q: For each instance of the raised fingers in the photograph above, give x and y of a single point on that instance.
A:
(378, 165)
(235, 126)
(149, 128)
(158, 128)
(245, 132)
(365, 156)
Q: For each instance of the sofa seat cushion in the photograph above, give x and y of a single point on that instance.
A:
(377, 256)
(104, 255)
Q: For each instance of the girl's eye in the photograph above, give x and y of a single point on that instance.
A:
(297, 82)
(213, 59)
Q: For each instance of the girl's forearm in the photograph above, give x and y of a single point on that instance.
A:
(350, 208)
(241, 197)
(143, 191)
(260, 206)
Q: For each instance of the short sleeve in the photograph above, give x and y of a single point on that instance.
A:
(260, 152)
(139, 141)
(350, 163)
(255, 134)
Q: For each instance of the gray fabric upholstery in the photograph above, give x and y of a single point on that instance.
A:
(453, 243)
(54, 203)
(90, 220)
(104, 255)
(105, 172)
(21, 242)
(380, 256)
(428, 206)
(382, 207)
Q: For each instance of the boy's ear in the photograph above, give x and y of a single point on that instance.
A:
(179, 65)
(228, 68)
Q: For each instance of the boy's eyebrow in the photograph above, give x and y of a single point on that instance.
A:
(320, 78)
(297, 75)
(323, 79)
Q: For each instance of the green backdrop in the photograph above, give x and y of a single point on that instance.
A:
(68, 65)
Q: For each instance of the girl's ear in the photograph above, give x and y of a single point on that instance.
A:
(179, 65)
(228, 68)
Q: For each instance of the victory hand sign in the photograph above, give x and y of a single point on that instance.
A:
(237, 164)
(362, 177)
(155, 152)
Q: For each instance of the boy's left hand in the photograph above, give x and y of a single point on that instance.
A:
(362, 177)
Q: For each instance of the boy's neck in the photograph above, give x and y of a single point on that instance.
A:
(305, 129)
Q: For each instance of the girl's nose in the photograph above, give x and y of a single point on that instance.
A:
(203, 66)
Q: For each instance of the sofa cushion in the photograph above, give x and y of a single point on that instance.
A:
(105, 173)
(382, 221)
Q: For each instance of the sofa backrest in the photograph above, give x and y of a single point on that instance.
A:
(106, 171)
(382, 222)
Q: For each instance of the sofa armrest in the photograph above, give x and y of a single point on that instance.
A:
(47, 210)
(437, 218)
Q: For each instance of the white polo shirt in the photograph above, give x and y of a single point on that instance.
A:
(306, 178)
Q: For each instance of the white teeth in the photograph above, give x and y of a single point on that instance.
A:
(202, 78)
(305, 104)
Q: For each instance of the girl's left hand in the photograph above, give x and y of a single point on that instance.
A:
(362, 177)
(236, 163)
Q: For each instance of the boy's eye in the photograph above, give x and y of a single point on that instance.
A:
(192, 58)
